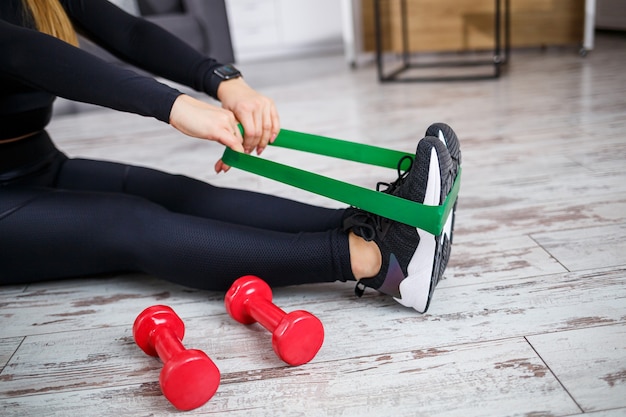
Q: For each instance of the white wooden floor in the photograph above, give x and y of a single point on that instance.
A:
(530, 320)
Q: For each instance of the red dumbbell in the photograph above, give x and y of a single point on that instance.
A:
(189, 378)
(296, 336)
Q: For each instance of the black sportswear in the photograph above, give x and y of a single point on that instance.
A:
(35, 67)
(62, 217)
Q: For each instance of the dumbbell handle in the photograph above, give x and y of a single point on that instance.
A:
(265, 312)
(166, 343)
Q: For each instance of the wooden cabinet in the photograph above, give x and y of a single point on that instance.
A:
(462, 25)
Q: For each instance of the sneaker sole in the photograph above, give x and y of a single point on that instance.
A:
(429, 261)
(449, 138)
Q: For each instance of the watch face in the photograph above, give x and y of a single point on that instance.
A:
(227, 72)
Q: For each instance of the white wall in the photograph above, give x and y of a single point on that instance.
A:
(266, 29)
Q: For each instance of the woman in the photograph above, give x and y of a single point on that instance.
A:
(62, 217)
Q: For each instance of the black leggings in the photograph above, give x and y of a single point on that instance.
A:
(62, 218)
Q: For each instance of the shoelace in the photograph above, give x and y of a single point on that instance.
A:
(364, 224)
(369, 225)
(391, 187)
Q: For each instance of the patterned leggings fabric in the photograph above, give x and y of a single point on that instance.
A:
(63, 218)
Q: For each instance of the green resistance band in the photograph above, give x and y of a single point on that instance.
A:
(429, 218)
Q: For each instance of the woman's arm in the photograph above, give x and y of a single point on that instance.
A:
(49, 64)
(152, 48)
(143, 44)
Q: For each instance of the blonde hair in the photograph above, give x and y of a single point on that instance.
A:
(50, 17)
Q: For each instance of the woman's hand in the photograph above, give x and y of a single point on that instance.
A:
(256, 113)
(201, 120)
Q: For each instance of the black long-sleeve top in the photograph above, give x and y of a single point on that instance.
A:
(35, 67)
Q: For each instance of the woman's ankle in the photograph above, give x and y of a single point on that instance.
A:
(365, 257)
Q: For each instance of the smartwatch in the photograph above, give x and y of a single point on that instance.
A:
(227, 72)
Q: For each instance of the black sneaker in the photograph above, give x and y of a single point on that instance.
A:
(449, 138)
(411, 258)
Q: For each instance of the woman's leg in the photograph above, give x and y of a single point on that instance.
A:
(53, 233)
(189, 196)
(65, 218)
(94, 225)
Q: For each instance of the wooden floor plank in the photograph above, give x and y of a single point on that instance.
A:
(495, 259)
(585, 248)
(599, 382)
(8, 346)
(465, 314)
(462, 381)
(617, 412)
(81, 304)
(505, 218)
